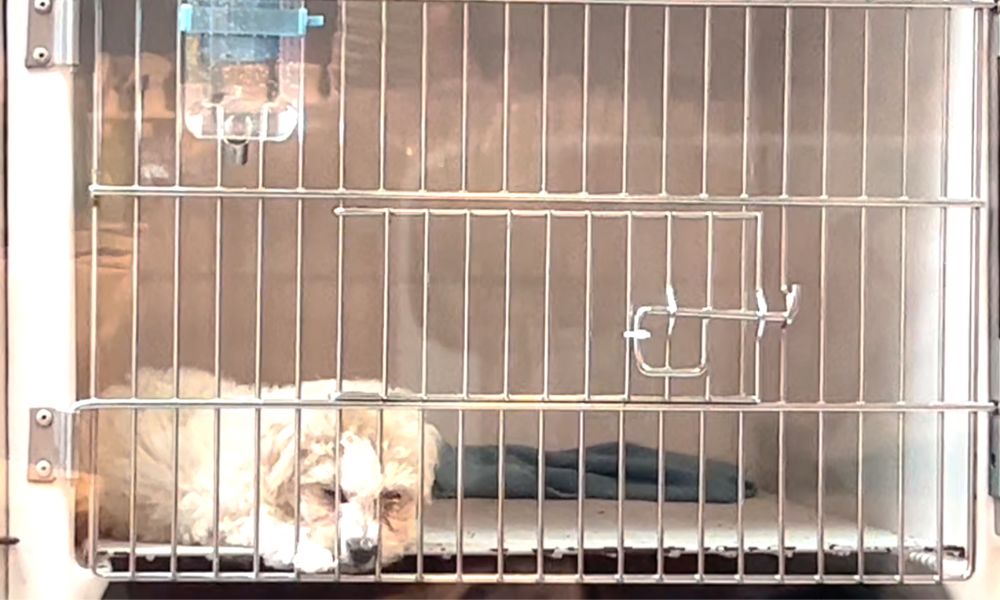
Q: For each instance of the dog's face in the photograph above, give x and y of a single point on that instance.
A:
(377, 495)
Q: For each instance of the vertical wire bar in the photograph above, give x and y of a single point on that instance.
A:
(383, 39)
(939, 525)
(258, 351)
(581, 491)
(740, 499)
(665, 95)
(340, 299)
(744, 171)
(669, 278)
(706, 76)
(501, 420)
(744, 140)
(178, 101)
(176, 386)
(459, 529)
(701, 497)
(385, 304)
(501, 487)
(296, 467)
(97, 135)
(587, 305)
(660, 485)
(217, 413)
(862, 285)
(297, 422)
(540, 525)
(901, 383)
(660, 459)
(459, 506)
(422, 478)
(621, 496)
(709, 298)
(301, 128)
(628, 303)
(139, 95)
(782, 457)
(546, 334)
(628, 394)
(378, 498)
(585, 102)
(133, 473)
(256, 491)
(425, 293)
(783, 340)
(423, 96)
(134, 366)
(540, 521)
(464, 176)
(581, 494)
(942, 299)
(336, 493)
(94, 220)
(506, 305)
(544, 158)
(176, 492)
(505, 117)
(627, 53)
(341, 116)
(821, 376)
(866, 66)
(423, 354)
(985, 42)
(465, 305)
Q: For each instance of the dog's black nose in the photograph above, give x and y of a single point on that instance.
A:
(361, 551)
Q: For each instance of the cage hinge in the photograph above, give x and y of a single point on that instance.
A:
(53, 33)
(49, 445)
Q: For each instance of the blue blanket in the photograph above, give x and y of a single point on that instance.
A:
(480, 478)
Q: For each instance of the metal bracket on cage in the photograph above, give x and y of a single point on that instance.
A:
(49, 443)
(53, 33)
(761, 315)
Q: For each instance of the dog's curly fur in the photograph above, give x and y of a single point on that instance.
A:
(364, 480)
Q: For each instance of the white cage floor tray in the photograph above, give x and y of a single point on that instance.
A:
(680, 528)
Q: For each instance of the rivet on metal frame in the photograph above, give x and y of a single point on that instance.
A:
(48, 445)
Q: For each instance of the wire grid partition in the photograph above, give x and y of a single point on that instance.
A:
(706, 227)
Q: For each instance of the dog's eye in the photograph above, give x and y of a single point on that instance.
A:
(331, 493)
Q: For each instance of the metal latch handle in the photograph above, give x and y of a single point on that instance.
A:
(761, 315)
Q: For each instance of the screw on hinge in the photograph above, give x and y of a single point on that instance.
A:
(42, 6)
(40, 54)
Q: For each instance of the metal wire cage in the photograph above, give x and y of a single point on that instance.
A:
(745, 232)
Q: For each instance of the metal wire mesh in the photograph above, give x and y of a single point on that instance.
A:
(752, 234)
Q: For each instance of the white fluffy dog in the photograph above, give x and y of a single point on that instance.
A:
(365, 482)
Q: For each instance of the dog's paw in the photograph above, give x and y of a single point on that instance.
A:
(312, 558)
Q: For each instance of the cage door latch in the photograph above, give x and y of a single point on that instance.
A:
(53, 33)
(49, 443)
(761, 315)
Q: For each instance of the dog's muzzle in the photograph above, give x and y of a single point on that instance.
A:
(361, 552)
